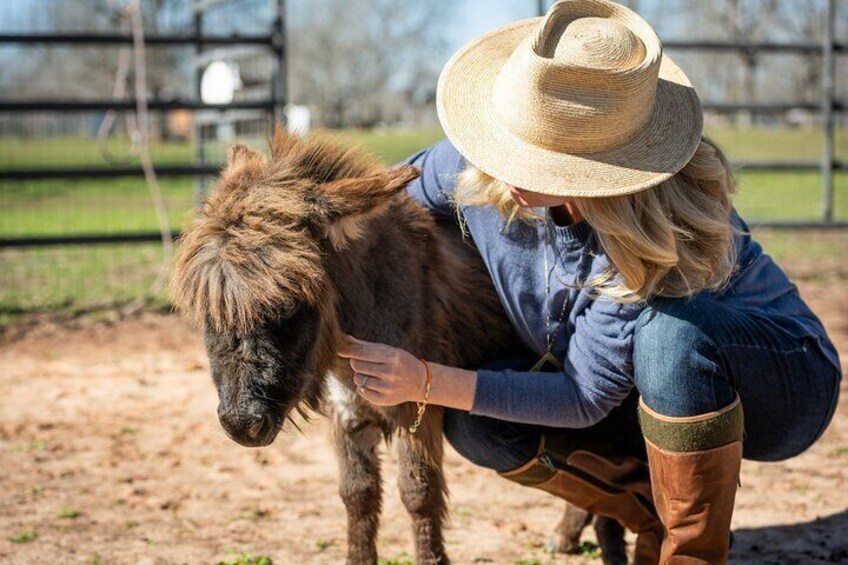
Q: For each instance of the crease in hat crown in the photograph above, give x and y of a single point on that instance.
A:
(584, 82)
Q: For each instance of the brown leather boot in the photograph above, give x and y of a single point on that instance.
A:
(695, 464)
(600, 482)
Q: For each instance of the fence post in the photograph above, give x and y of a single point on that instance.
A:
(541, 10)
(279, 86)
(199, 148)
(828, 116)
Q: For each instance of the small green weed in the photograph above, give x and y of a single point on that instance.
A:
(402, 559)
(589, 549)
(248, 559)
(69, 514)
(24, 537)
(323, 544)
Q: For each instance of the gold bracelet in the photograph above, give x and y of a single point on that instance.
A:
(422, 406)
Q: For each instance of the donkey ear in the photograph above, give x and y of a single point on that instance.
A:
(360, 195)
(239, 154)
(348, 202)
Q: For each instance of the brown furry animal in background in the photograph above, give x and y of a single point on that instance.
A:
(288, 254)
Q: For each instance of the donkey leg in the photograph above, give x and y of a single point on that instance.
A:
(611, 541)
(356, 436)
(423, 490)
(609, 532)
(566, 537)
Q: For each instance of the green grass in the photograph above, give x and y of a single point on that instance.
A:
(402, 559)
(24, 537)
(66, 151)
(52, 208)
(247, 559)
(772, 144)
(63, 151)
(794, 196)
(66, 207)
(75, 278)
(392, 146)
(81, 278)
(69, 514)
(59, 207)
(590, 550)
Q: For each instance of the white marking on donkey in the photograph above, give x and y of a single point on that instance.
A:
(288, 254)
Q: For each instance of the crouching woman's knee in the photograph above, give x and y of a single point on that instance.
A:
(493, 444)
(676, 364)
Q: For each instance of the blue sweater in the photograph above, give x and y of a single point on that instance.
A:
(595, 342)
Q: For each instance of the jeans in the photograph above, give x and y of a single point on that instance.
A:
(690, 357)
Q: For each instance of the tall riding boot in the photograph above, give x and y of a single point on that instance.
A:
(695, 464)
(601, 482)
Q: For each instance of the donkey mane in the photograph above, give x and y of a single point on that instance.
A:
(318, 157)
(246, 254)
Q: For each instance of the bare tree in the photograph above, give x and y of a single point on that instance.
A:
(361, 61)
(806, 21)
(90, 72)
(738, 21)
(749, 21)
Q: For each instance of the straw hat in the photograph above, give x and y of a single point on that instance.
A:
(579, 103)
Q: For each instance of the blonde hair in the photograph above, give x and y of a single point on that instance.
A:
(672, 240)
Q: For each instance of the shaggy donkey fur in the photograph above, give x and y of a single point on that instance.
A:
(287, 254)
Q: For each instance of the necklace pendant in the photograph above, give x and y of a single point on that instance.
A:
(548, 357)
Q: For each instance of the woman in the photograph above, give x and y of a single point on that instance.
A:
(577, 163)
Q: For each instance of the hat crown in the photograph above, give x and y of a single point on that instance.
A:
(599, 43)
(585, 82)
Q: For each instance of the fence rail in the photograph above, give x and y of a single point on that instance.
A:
(76, 173)
(129, 104)
(809, 48)
(274, 41)
(92, 244)
(80, 39)
(67, 105)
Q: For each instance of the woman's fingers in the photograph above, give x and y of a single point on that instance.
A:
(373, 396)
(368, 367)
(369, 381)
(353, 348)
(383, 375)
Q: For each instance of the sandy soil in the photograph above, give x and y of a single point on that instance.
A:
(111, 453)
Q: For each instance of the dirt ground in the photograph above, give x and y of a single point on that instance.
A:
(111, 453)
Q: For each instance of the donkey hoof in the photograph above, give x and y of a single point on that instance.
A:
(559, 544)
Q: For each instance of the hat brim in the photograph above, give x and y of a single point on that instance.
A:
(466, 111)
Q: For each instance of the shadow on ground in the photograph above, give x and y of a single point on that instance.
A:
(824, 540)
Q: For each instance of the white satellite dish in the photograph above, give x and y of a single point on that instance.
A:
(219, 83)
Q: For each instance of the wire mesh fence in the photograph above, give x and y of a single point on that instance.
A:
(77, 227)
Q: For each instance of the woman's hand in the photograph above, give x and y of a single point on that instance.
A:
(384, 375)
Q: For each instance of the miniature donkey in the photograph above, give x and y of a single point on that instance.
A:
(288, 254)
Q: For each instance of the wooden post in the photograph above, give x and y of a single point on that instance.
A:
(199, 148)
(279, 85)
(828, 116)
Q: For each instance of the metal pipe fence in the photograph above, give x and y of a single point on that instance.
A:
(202, 163)
(274, 41)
